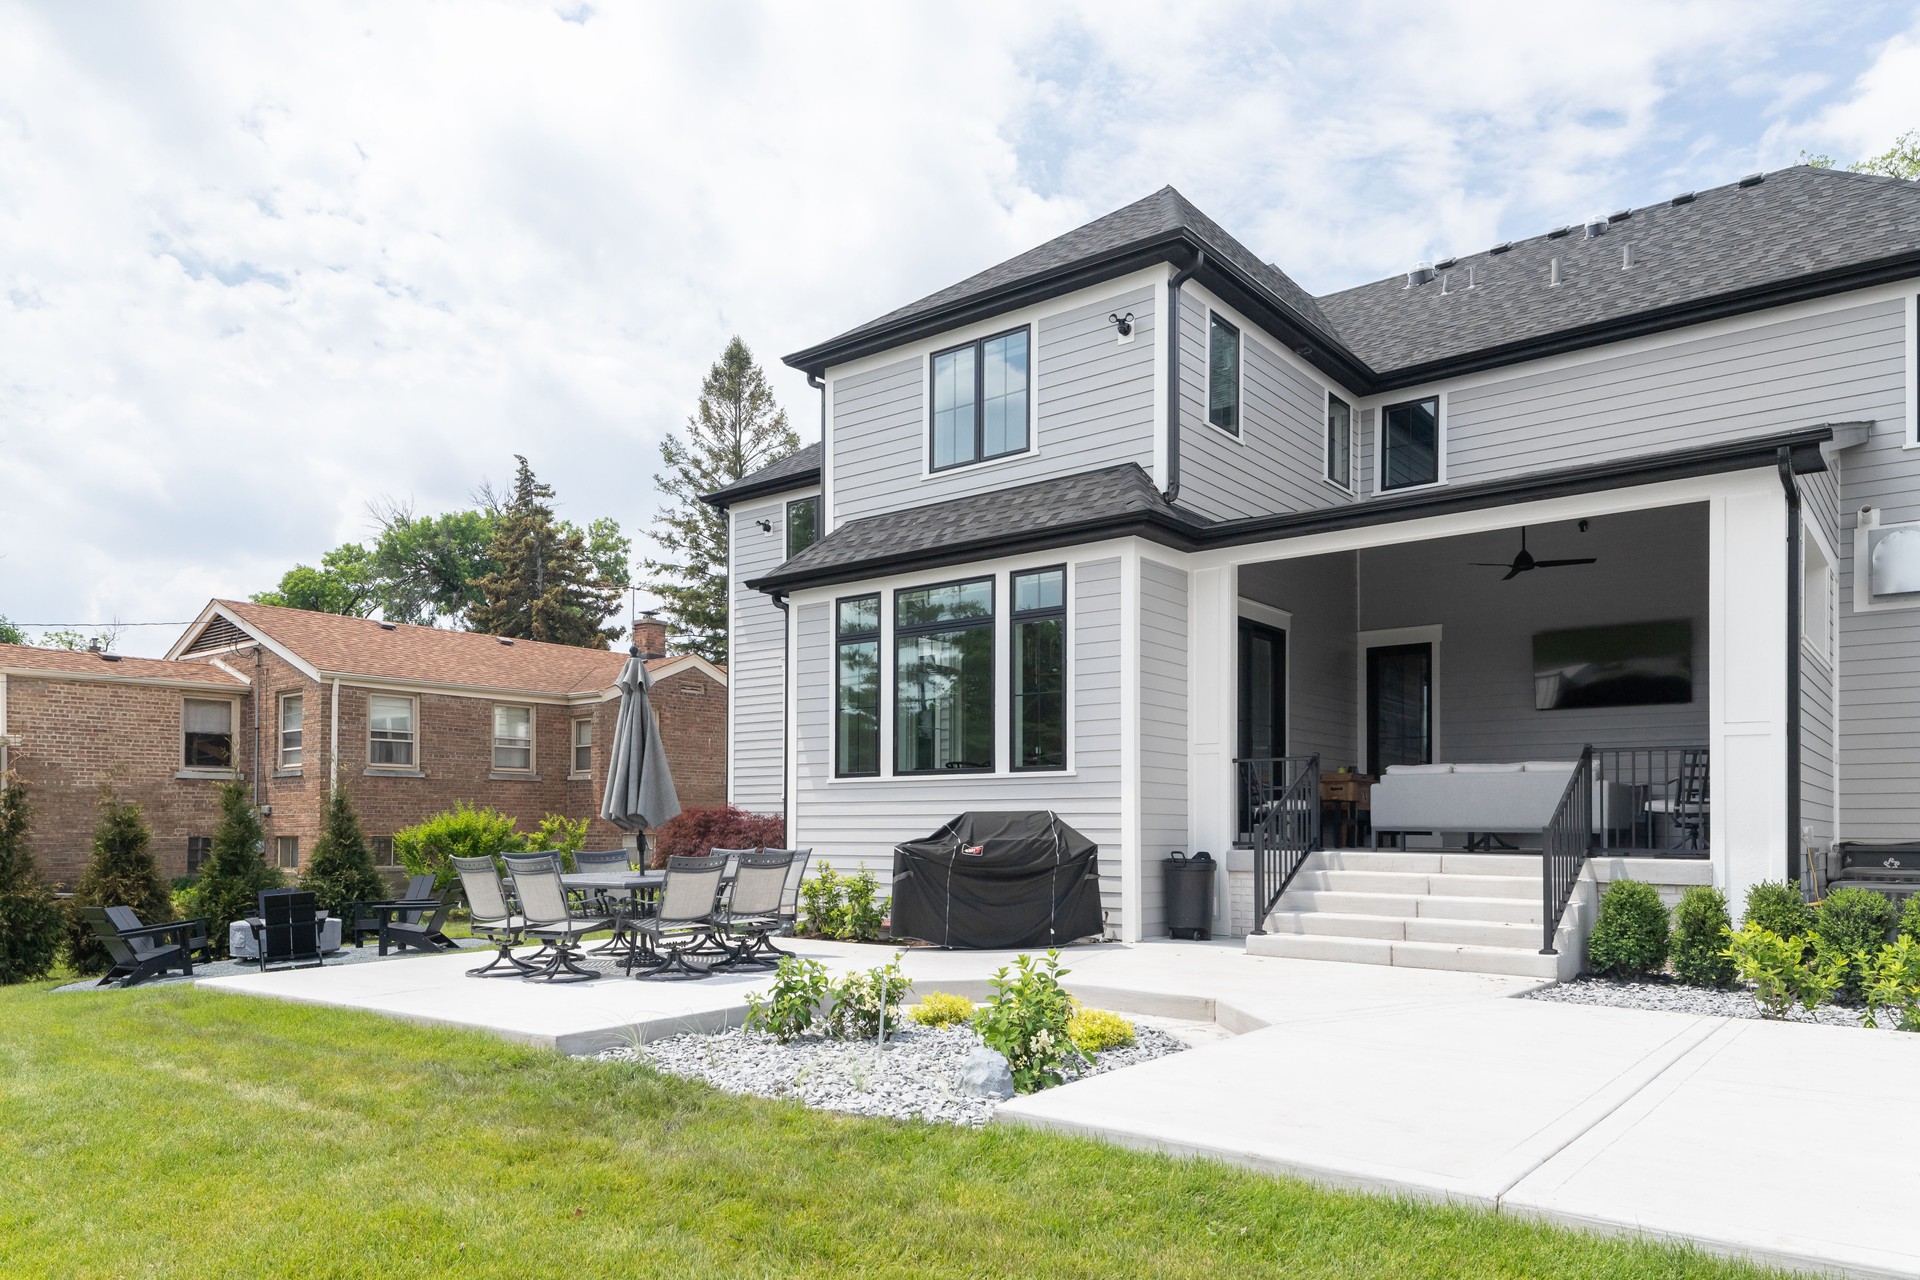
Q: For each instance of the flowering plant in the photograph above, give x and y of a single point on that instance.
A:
(1027, 1022)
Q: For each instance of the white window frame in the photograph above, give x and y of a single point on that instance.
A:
(281, 844)
(412, 740)
(512, 744)
(985, 333)
(1239, 434)
(1912, 310)
(1819, 631)
(574, 746)
(280, 732)
(1380, 489)
(233, 738)
(1352, 486)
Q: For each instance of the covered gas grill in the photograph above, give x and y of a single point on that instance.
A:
(993, 880)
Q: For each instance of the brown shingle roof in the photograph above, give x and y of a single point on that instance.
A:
(20, 657)
(342, 645)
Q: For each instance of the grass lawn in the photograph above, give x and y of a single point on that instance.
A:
(173, 1132)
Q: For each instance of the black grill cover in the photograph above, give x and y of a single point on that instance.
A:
(992, 880)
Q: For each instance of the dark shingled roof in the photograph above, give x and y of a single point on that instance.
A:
(1057, 512)
(795, 471)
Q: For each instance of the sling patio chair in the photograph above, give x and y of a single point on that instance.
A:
(603, 860)
(790, 896)
(493, 918)
(550, 918)
(367, 919)
(682, 921)
(750, 914)
(143, 952)
(195, 941)
(289, 930)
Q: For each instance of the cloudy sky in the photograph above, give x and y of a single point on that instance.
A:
(261, 264)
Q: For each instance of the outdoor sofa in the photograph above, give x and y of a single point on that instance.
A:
(1485, 800)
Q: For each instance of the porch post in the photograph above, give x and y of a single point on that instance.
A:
(1211, 727)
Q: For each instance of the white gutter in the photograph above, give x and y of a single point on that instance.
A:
(333, 744)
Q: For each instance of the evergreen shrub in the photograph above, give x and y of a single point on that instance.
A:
(1780, 909)
(1630, 936)
(340, 869)
(121, 873)
(1854, 923)
(30, 920)
(1701, 926)
(236, 869)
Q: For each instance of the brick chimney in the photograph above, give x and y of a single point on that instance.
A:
(650, 635)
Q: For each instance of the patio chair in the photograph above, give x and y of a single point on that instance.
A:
(550, 918)
(492, 917)
(417, 930)
(196, 939)
(790, 896)
(289, 930)
(683, 919)
(750, 913)
(603, 860)
(143, 952)
(367, 919)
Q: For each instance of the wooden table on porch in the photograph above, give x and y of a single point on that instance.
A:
(1349, 797)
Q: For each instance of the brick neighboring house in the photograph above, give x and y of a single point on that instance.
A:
(410, 719)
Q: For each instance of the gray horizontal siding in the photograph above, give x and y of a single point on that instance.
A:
(1322, 680)
(756, 682)
(1093, 398)
(1163, 733)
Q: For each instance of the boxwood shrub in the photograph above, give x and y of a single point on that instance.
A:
(1700, 929)
(1853, 922)
(1630, 936)
(1779, 908)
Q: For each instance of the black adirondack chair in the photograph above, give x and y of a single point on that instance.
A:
(288, 934)
(196, 939)
(144, 952)
(418, 927)
(366, 920)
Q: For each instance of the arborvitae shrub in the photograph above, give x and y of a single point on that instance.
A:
(1700, 929)
(340, 868)
(1779, 908)
(1630, 936)
(1853, 922)
(121, 873)
(236, 869)
(30, 922)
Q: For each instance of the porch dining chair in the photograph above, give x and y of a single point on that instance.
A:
(1685, 806)
(749, 913)
(682, 921)
(551, 918)
(492, 918)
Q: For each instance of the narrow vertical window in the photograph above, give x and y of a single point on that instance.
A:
(198, 849)
(513, 739)
(943, 678)
(980, 399)
(803, 525)
(583, 746)
(1339, 442)
(292, 717)
(1040, 669)
(856, 708)
(1223, 375)
(286, 851)
(1410, 443)
(207, 734)
(390, 736)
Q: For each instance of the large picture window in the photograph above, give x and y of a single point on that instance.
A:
(513, 739)
(856, 711)
(1223, 375)
(1040, 669)
(292, 717)
(1339, 442)
(1410, 443)
(980, 401)
(943, 678)
(390, 732)
(207, 734)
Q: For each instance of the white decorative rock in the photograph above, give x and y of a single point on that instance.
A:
(984, 1074)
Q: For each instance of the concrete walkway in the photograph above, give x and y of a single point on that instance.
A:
(1781, 1142)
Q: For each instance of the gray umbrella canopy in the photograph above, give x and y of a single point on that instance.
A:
(639, 784)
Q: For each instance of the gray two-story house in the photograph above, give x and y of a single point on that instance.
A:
(1604, 542)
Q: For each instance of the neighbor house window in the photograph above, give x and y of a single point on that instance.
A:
(381, 847)
(943, 678)
(199, 849)
(292, 717)
(856, 707)
(207, 734)
(980, 401)
(1040, 669)
(1410, 443)
(1339, 442)
(390, 731)
(803, 524)
(583, 746)
(286, 852)
(513, 739)
(1223, 375)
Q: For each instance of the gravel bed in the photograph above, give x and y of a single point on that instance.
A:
(1674, 997)
(911, 1079)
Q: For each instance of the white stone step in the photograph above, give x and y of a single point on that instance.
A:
(1485, 864)
(1445, 907)
(1511, 961)
(1480, 933)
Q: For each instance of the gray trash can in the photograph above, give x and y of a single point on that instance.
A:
(1190, 895)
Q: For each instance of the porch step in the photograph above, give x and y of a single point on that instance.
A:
(1509, 961)
(1442, 884)
(1450, 907)
(1472, 933)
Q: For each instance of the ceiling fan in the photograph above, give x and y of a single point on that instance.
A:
(1525, 561)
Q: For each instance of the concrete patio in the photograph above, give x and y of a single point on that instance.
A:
(1413, 1082)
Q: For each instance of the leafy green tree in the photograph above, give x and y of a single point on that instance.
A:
(546, 586)
(236, 869)
(121, 873)
(736, 429)
(65, 638)
(1901, 160)
(10, 634)
(344, 583)
(340, 868)
(30, 922)
(429, 567)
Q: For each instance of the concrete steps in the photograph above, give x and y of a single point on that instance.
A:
(1465, 911)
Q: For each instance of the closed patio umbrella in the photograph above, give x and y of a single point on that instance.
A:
(639, 784)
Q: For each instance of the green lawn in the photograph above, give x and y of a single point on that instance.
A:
(173, 1132)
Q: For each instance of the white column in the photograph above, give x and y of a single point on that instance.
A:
(1747, 612)
(1212, 614)
(1130, 930)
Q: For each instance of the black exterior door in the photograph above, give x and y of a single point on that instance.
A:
(1399, 706)
(1263, 691)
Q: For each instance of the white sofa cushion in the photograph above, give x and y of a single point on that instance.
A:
(1488, 768)
(1418, 769)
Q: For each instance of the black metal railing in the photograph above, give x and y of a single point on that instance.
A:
(1280, 808)
(1652, 800)
(1564, 848)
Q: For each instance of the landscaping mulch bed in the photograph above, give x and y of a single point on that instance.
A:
(1668, 996)
(912, 1078)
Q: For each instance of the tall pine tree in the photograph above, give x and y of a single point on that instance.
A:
(30, 921)
(547, 586)
(340, 868)
(236, 869)
(736, 430)
(120, 874)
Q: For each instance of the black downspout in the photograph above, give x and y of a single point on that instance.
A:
(1793, 663)
(1172, 492)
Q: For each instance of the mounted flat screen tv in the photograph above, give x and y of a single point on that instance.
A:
(1635, 664)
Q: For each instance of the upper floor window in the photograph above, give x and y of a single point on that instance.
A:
(1040, 669)
(980, 393)
(1410, 444)
(943, 678)
(390, 731)
(1223, 374)
(206, 733)
(1339, 442)
(513, 738)
(856, 707)
(292, 717)
(583, 746)
(803, 524)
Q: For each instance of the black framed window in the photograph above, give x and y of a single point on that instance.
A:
(1223, 374)
(803, 524)
(199, 849)
(1040, 669)
(856, 706)
(980, 395)
(1410, 443)
(943, 678)
(1339, 442)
